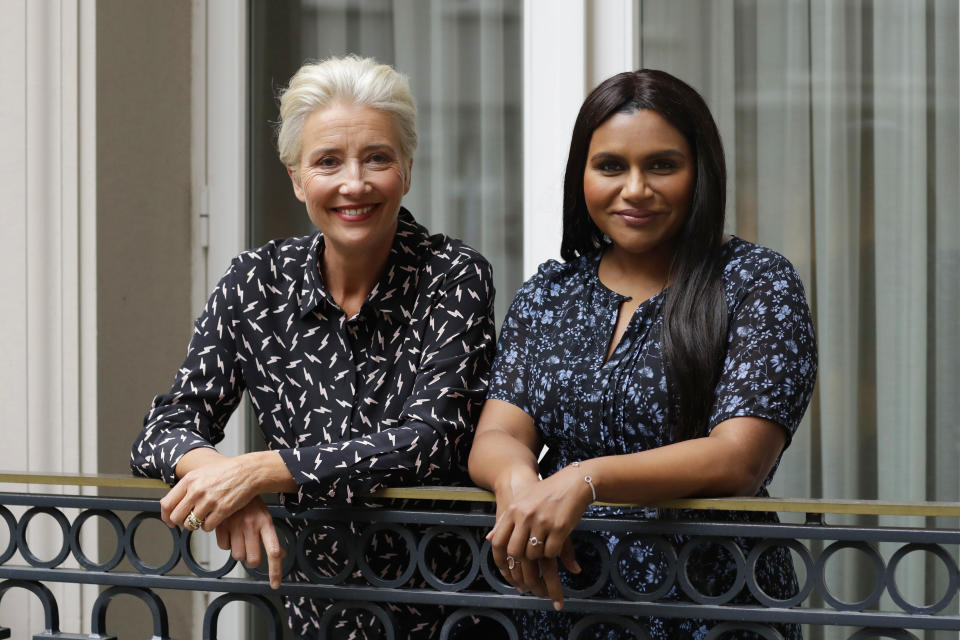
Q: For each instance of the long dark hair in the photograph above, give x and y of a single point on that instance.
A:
(695, 309)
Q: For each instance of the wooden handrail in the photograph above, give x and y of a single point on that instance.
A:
(473, 494)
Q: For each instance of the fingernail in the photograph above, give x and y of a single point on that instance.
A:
(557, 606)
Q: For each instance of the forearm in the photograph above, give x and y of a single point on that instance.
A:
(721, 465)
(497, 458)
(264, 470)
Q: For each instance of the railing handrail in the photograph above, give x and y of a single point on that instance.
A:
(473, 494)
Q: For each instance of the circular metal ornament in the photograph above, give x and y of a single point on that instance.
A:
(25, 551)
(11, 522)
(369, 574)
(872, 554)
(306, 565)
(131, 547)
(600, 544)
(78, 553)
(430, 576)
(492, 575)
(688, 587)
(187, 554)
(469, 612)
(760, 629)
(284, 532)
(952, 579)
(625, 623)
(872, 633)
(533, 541)
(342, 607)
(670, 559)
(762, 596)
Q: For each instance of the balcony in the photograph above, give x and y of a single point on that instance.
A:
(885, 609)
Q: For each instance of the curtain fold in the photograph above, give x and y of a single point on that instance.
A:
(843, 153)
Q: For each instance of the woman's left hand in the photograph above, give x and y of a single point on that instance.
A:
(213, 489)
(535, 530)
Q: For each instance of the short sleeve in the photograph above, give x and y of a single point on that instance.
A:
(509, 377)
(771, 361)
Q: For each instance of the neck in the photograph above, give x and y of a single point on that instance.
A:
(351, 275)
(627, 272)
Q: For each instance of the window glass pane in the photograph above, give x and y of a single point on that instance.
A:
(463, 60)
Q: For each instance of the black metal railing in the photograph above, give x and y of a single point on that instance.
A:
(479, 590)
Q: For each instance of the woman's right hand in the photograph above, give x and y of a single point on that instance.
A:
(512, 484)
(242, 532)
(548, 509)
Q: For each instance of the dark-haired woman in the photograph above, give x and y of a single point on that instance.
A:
(661, 360)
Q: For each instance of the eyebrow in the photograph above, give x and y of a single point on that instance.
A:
(663, 153)
(379, 146)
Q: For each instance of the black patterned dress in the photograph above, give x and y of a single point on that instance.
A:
(388, 397)
(551, 362)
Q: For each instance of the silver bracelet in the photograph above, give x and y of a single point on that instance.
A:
(588, 480)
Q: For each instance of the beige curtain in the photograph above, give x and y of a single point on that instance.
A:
(840, 121)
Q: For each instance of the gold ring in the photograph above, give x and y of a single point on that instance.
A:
(192, 522)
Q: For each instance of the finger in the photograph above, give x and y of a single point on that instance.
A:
(214, 517)
(251, 540)
(170, 502)
(275, 553)
(237, 547)
(515, 577)
(532, 579)
(568, 557)
(553, 545)
(516, 541)
(187, 504)
(223, 539)
(534, 548)
(551, 581)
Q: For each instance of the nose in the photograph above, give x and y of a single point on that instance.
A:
(637, 187)
(354, 180)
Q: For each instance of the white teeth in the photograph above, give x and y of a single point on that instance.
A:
(355, 212)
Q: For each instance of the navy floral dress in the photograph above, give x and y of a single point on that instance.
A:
(551, 363)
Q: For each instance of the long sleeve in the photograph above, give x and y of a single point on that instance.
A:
(205, 391)
(428, 442)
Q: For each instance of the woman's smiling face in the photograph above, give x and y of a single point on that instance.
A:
(352, 176)
(638, 181)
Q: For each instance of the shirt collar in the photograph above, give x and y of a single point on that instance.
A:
(394, 294)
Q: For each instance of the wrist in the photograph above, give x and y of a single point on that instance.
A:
(513, 479)
(588, 482)
(266, 471)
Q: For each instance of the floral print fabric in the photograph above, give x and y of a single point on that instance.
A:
(551, 363)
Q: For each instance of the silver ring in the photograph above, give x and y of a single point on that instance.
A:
(511, 562)
(533, 541)
(192, 522)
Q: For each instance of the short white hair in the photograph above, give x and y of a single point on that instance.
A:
(352, 80)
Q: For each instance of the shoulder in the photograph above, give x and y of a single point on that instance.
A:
(439, 256)
(749, 266)
(276, 259)
(555, 284)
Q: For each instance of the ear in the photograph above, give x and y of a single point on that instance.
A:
(408, 178)
(297, 186)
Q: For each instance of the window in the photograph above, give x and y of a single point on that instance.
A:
(463, 62)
